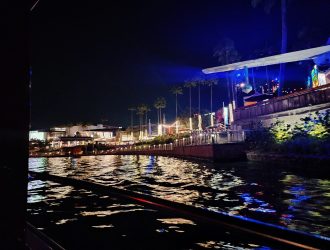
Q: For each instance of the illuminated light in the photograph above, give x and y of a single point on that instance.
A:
(160, 129)
(176, 221)
(199, 122)
(211, 120)
(103, 226)
(177, 127)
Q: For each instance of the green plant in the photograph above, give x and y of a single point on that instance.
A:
(261, 139)
(281, 131)
(310, 136)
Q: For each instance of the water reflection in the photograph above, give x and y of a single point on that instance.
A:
(270, 194)
(81, 219)
(176, 221)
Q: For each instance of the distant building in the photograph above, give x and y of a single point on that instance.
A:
(59, 137)
(54, 133)
(37, 135)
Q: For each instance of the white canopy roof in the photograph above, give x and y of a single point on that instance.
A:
(307, 54)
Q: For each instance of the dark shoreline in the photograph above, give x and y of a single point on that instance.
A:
(307, 160)
(210, 152)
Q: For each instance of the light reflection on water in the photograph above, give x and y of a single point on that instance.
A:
(81, 219)
(248, 189)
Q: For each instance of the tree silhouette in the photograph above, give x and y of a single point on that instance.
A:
(160, 104)
(268, 5)
(177, 90)
(226, 53)
(141, 110)
(132, 109)
(190, 84)
(211, 83)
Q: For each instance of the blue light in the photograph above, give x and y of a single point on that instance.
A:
(151, 164)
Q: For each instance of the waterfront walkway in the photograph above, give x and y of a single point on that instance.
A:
(213, 146)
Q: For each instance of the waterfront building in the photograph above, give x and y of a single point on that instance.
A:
(37, 135)
(265, 110)
(55, 132)
(67, 136)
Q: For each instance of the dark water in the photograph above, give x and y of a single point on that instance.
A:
(290, 198)
(81, 219)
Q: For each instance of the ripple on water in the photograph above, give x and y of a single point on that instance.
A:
(247, 189)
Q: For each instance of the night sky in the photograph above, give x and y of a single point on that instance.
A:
(92, 60)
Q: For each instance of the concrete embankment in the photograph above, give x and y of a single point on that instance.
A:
(211, 152)
(300, 159)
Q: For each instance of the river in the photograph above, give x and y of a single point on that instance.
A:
(267, 192)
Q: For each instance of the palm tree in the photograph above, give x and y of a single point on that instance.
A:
(268, 5)
(159, 104)
(263, 52)
(141, 110)
(226, 53)
(132, 109)
(162, 106)
(210, 83)
(176, 91)
(198, 81)
(190, 84)
(147, 109)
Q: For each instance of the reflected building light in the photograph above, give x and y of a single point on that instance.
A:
(177, 221)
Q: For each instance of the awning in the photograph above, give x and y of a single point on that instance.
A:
(301, 55)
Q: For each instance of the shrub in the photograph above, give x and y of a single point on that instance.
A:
(311, 136)
(281, 131)
(261, 139)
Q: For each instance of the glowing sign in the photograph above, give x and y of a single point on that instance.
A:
(315, 79)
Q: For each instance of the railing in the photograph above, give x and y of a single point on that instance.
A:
(295, 100)
(203, 138)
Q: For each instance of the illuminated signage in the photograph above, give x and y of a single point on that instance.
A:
(315, 79)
